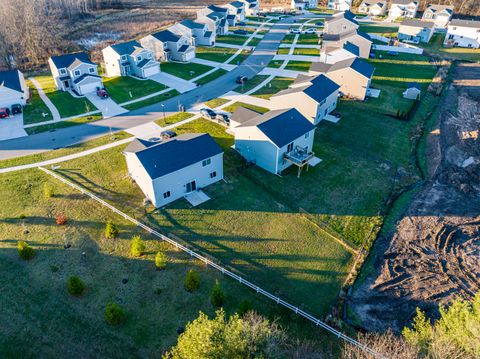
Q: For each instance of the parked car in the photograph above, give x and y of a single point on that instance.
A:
(241, 79)
(154, 139)
(17, 108)
(295, 31)
(240, 32)
(208, 113)
(102, 93)
(310, 31)
(241, 23)
(223, 117)
(165, 135)
(319, 23)
(4, 112)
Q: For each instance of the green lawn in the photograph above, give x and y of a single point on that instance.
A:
(276, 85)
(216, 102)
(299, 66)
(254, 42)
(217, 54)
(125, 88)
(63, 124)
(152, 100)
(386, 31)
(308, 39)
(233, 107)
(237, 60)
(210, 77)
(35, 108)
(288, 39)
(186, 71)
(303, 51)
(232, 39)
(275, 63)
(66, 104)
(397, 72)
(455, 53)
(170, 120)
(251, 83)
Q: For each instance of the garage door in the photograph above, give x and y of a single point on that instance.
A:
(88, 87)
(152, 70)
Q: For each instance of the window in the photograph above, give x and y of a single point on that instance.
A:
(307, 135)
(124, 57)
(139, 58)
(63, 71)
(92, 70)
(166, 195)
(290, 147)
(149, 55)
(206, 162)
(213, 174)
(77, 72)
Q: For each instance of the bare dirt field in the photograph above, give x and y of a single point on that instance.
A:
(434, 255)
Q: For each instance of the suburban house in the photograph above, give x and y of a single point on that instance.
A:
(340, 23)
(235, 9)
(299, 5)
(75, 72)
(215, 17)
(403, 8)
(252, 7)
(348, 51)
(338, 41)
(198, 32)
(129, 59)
(373, 8)
(276, 140)
(166, 46)
(413, 91)
(416, 31)
(439, 14)
(353, 75)
(463, 33)
(313, 97)
(13, 89)
(171, 169)
(339, 5)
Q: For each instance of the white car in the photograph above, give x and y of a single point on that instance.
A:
(295, 31)
(310, 31)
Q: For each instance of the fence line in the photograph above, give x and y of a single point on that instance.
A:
(217, 267)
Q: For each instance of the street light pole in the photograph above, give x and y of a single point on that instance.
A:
(163, 108)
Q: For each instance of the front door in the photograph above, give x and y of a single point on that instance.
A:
(126, 70)
(66, 84)
(191, 186)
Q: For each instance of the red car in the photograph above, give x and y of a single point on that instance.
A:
(4, 112)
(102, 93)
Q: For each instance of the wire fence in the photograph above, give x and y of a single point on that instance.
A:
(212, 264)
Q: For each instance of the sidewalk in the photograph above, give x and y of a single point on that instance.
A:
(46, 100)
(174, 82)
(252, 100)
(297, 58)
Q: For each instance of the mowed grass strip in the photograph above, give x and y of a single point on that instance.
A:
(66, 104)
(233, 107)
(35, 109)
(308, 39)
(186, 71)
(232, 39)
(152, 100)
(276, 85)
(172, 119)
(251, 83)
(210, 77)
(125, 88)
(303, 66)
(217, 54)
(63, 124)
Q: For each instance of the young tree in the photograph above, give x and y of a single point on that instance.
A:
(111, 230)
(217, 297)
(75, 286)
(60, 219)
(192, 281)
(137, 246)
(161, 260)
(114, 314)
(25, 251)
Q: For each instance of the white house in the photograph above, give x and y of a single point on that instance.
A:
(416, 31)
(129, 59)
(339, 5)
(237, 10)
(13, 89)
(299, 5)
(348, 51)
(353, 75)
(252, 7)
(171, 169)
(313, 97)
(276, 140)
(340, 23)
(373, 7)
(403, 8)
(215, 17)
(198, 32)
(359, 39)
(75, 72)
(167, 46)
(439, 14)
(413, 91)
(463, 33)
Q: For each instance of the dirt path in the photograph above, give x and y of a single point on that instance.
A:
(435, 253)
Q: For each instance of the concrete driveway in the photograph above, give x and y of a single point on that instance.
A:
(12, 127)
(174, 82)
(107, 106)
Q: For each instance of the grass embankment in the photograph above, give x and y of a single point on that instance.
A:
(152, 100)
(125, 88)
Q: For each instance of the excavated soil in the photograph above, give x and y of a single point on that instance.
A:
(434, 255)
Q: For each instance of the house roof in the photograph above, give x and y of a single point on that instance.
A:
(127, 48)
(183, 48)
(404, 2)
(439, 8)
(318, 88)
(243, 114)
(176, 153)
(216, 8)
(380, 3)
(364, 35)
(354, 49)
(84, 76)
(414, 85)
(237, 4)
(281, 126)
(144, 62)
(64, 61)
(208, 34)
(138, 145)
(362, 67)
(191, 24)
(11, 79)
(230, 16)
(166, 35)
(417, 23)
(465, 23)
(342, 15)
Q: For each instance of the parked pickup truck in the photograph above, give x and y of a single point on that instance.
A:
(102, 93)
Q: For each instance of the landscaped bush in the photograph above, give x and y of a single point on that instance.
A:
(75, 285)
(111, 230)
(47, 190)
(137, 246)
(161, 260)
(25, 251)
(114, 314)
(60, 219)
(218, 296)
(192, 281)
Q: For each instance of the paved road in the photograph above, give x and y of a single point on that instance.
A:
(46, 141)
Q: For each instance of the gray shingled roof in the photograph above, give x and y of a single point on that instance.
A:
(192, 24)
(166, 35)
(281, 126)
(11, 79)
(439, 8)
(403, 2)
(127, 48)
(64, 61)
(417, 23)
(243, 114)
(362, 67)
(177, 153)
(317, 88)
(465, 23)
